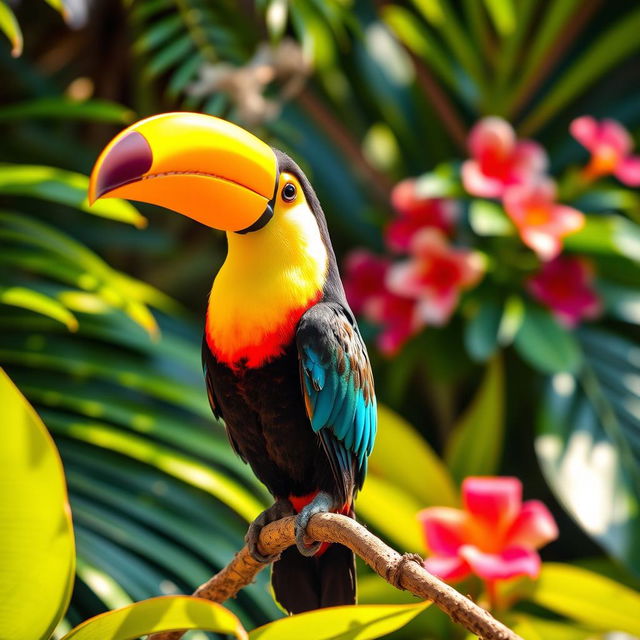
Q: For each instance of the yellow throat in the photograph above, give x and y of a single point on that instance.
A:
(268, 280)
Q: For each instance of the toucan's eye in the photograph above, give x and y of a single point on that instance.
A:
(289, 192)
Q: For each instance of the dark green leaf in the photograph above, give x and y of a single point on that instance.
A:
(545, 344)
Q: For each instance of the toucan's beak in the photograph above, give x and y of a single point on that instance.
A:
(203, 167)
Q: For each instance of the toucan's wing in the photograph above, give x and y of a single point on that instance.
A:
(207, 365)
(337, 385)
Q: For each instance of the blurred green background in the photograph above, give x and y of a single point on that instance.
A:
(101, 314)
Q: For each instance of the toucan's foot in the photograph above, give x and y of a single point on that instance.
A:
(279, 509)
(322, 503)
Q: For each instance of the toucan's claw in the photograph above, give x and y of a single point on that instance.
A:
(322, 503)
(279, 509)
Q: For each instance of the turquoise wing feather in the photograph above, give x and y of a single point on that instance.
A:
(338, 388)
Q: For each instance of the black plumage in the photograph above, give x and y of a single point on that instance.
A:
(269, 412)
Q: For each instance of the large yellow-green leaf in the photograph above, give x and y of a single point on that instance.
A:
(36, 537)
(588, 597)
(391, 511)
(362, 622)
(159, 614)
(534, 628)
(475, 446)
(404, 458)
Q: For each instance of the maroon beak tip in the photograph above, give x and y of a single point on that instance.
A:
(129, 159)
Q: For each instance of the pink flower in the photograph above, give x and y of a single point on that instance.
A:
(541, 222)
(565, 286)
(435, 275)
(364, 284)
(499, 160)
(416, 212)
(610, 145)
(495, 535)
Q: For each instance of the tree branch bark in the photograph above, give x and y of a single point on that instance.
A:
(402, 571)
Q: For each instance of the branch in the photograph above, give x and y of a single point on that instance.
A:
(402, 571)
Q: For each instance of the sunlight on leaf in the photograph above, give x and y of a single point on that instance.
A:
(392, 512)
(36, 538)
(363, 622)
(10, 27)
(64, 187)
(39, 303)
(159, 614)
(588, 598)
(404, 458)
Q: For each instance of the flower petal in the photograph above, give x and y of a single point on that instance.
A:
(443, 528)
(437, 307)
(493, 136)
(494, 501)
(585, 131)
(403, 279)
(534, 527)
(613, 134)
(547, 246)
(510, 563)
(364, 278)
(529, 160)
(477, 183)
(449, 568)
(628, 171)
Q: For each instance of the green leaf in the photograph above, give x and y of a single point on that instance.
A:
(502, 14)
(40, 303)
(588, 598)
(607, 235)
(620, 301)
(618, 43)
(95, 110)
(475, 445)
(403, 458)
(364, 622)
(392, 512)
(66, 188)
(10, 27)
(489, 219)
(418, 39)
(588, 444)
(36, 536)
(192, 471)
(159, 614)
(546, 345)
(534, 628)
(481, 336)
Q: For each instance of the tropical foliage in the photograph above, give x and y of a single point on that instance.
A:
(443, 138)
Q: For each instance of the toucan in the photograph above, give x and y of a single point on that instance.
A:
(285, 365)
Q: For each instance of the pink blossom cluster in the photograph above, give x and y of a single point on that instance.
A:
(424, 287)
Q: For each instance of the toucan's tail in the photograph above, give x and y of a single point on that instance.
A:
(327, 579)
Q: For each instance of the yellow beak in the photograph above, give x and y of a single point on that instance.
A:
(200, 166)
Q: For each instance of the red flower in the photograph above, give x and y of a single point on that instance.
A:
(499, 160)
(416, 212)
(565, 286)
(368, 295)
(435, 275)
(495, 535)
(542, 222)
(610, 145)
